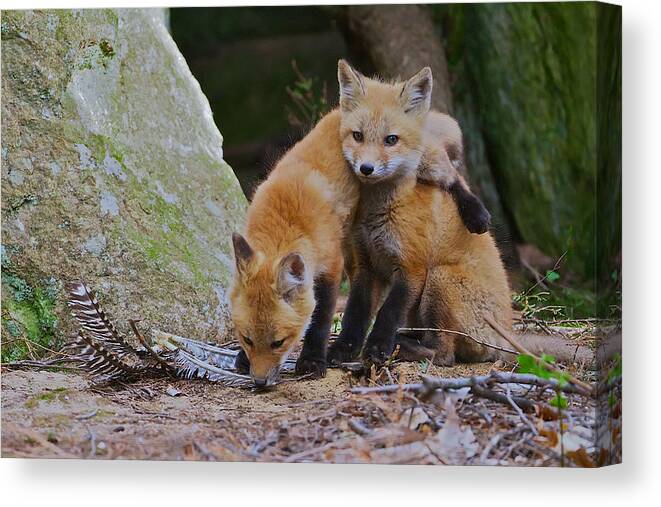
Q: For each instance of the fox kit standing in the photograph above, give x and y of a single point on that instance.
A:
(409, 240)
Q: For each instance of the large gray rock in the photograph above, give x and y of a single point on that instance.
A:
(112, 171)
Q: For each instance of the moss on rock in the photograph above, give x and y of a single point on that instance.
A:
(113, 172)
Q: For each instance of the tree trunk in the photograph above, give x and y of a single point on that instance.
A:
(396, 50)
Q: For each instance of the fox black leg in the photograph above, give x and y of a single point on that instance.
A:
(355, 321)
(392, 315)
(474, 214)
(242, 364)
(313, 356)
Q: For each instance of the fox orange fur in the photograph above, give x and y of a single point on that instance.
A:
(289, 264)
(409, 241)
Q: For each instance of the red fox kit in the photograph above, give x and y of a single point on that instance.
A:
(289, 265)
(408, 239)
(406, 139)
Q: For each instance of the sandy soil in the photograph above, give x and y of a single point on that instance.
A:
(52, 414)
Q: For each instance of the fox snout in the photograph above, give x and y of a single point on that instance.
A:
(366, 169)
(265, 379)
(369, 169)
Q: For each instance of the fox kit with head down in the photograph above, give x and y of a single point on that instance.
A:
(410, 245)
(289, 265)
(290, 262)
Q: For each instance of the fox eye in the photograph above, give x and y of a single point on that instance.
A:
(358, 136)
(277, 344)
(391, 140)
(248, 341)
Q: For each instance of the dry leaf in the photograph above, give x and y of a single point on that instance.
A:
(581, 458)
(452, 444)
(414, 418)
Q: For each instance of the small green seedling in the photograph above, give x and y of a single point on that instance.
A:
(529, 364)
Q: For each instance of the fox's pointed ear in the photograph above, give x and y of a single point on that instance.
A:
(352, 85)
(243, 253)
(416, 93)
(293, 276)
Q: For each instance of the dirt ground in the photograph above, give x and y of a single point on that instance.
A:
(61, 414)
(53, 414)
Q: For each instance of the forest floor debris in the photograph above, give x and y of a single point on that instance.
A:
(177, 398)
(339, 419)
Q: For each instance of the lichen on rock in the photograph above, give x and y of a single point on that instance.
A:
(113, 172)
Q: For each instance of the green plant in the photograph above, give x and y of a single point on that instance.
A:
(542, 368)
(28, 317)
(309, 100)
(529, 364)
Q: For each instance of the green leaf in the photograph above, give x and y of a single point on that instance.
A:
(561, 377)
(552, 276)
(559, 401)
(527, 364)
(548, 358)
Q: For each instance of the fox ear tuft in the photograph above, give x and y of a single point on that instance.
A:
(416, 93)
(292, 275)
(243, 253)
(352, 86)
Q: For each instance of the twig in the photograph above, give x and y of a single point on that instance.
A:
(87, 416)
(555, 266)
(465, 335)
(92, 439)
(499, 329)
(517, 409)
(166, 366)
(538, 276)
(52, 363)
(359, 427)
(482, 392)
(204, 451)
(497, 438)
(309, 452)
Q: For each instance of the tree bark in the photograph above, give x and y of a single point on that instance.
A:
(400, 40)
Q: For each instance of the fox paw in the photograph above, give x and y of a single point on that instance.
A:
(341, 352)
(475, 215)
(308, 365)
(242, 364)
(376, 356)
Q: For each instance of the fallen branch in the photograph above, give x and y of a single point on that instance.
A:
(510, 401)
(434, 383)
(499, 329)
